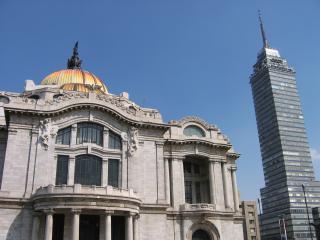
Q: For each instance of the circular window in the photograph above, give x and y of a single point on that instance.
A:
(193, 130)
(200, 235)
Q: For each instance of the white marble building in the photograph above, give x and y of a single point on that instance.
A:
(79, 163)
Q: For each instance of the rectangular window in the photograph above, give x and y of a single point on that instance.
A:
(187, 167)
(63, 136)
(62, 170)
(113, 172)
(198, 193)
(114, 141)
(196, 169)
(188, 191)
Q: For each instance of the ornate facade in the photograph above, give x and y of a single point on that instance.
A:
(77, 162)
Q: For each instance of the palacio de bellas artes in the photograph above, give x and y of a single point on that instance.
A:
(78, 162)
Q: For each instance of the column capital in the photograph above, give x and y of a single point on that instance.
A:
(214, 160)
(75, 210)
(178, 158)
(131, 214)
(48, 211)
(73, 126)
(159, 144)
(233, 168)
(108, 212)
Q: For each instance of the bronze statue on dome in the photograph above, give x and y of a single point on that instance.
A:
(75, 62)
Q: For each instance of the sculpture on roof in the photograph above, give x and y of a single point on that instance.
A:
(75, 62)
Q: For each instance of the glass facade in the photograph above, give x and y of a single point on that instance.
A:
(284, 147)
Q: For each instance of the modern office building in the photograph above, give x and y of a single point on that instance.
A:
(251, 226)
(79, 163)
(284, 147)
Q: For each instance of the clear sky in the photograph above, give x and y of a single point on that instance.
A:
(183, 57)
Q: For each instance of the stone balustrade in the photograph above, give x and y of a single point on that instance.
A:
(85, 197)
(80, 189)
(198, 207)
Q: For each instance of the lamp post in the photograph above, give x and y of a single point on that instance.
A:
(305, 200)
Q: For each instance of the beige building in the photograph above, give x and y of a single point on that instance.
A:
(251, 221)
(79, 163)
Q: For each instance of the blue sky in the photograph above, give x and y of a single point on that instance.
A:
(183, 57)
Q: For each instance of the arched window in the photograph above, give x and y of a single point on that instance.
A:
(114, 141)
(200, 235)
(193, 130)
(63, 136)
(89, 133)
(88, 170)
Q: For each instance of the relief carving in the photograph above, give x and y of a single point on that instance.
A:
(47, 131)
(133, 141)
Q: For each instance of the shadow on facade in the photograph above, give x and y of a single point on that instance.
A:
(20, 226)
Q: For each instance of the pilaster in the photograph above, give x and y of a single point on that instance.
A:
(71, 169)
(161, 198)
(73, 137)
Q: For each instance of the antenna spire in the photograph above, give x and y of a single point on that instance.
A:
(264, 38)
(75, 62)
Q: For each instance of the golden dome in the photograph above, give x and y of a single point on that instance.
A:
(74, 78)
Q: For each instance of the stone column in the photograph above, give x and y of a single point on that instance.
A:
(167, 179)
(105, 138)
(212, 183)
(35, 226)
(75, 223)
(73, 137)
(235, 189)
(49, 225)
(183, 194)
(136, 227)
(71, 169)
(129, 228)
(104, 172)
(108, 225)
(225, 185)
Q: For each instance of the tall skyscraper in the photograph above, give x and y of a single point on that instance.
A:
(284, 148)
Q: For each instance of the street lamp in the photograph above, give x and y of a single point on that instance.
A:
(305, 200)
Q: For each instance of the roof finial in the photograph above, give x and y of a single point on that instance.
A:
(74, 62)
(265, 41)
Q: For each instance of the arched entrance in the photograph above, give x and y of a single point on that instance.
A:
(200, 235)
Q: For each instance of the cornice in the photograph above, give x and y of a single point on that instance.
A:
(198, 142)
